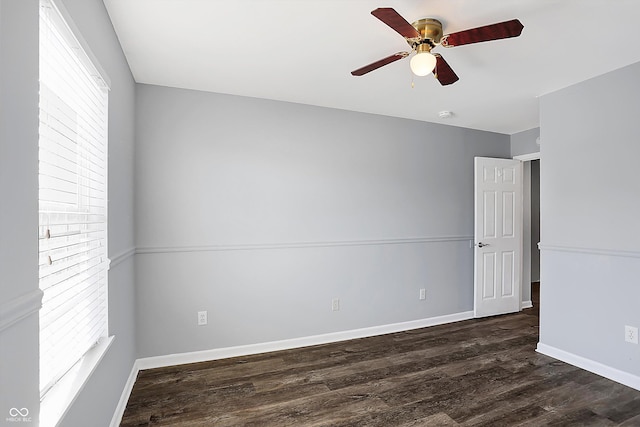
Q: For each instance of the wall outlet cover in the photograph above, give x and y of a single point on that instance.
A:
(631, 334)
(202, 318)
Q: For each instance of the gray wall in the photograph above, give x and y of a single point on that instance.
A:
(590, 207)
(19, 223)
(525, 142)
(19, 294)
(261, 212)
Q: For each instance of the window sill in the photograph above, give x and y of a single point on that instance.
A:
(59, 399)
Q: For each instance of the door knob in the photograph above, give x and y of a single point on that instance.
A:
(480, 244)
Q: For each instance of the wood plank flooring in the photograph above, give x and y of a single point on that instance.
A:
(482, 372)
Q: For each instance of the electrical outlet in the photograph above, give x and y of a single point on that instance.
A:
(202, 318)
(335, 304)
(631, 334)
(423, 293)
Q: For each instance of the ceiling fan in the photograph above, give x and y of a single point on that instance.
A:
(425, 34)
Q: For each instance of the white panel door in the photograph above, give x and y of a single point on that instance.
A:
(498, 236)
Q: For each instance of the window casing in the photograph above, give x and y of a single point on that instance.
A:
(73, 261)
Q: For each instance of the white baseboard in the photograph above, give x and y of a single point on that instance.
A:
(245, 350)
(124, 397)
(598, 368)
(526, 304)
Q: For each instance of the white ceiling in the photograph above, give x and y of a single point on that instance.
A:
(303, 51)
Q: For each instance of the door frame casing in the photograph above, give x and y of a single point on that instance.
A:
(525, 158)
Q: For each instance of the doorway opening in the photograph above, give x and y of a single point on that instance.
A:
(530, 229)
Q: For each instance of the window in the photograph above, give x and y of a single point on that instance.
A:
(72, 157)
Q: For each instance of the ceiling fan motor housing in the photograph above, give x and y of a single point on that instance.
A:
(430, 32)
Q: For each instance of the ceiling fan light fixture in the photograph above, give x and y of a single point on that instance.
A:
(423, 62)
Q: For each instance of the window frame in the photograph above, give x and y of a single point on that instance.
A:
(56, 401)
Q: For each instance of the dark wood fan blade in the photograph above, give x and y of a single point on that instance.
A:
(393, 19)
(443, 72)
(380, 63)
(502, 30)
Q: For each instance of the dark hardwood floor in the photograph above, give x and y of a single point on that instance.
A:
(481, 372)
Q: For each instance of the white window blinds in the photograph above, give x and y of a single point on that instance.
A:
(72, 199)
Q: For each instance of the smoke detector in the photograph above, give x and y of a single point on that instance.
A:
(445, 114)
